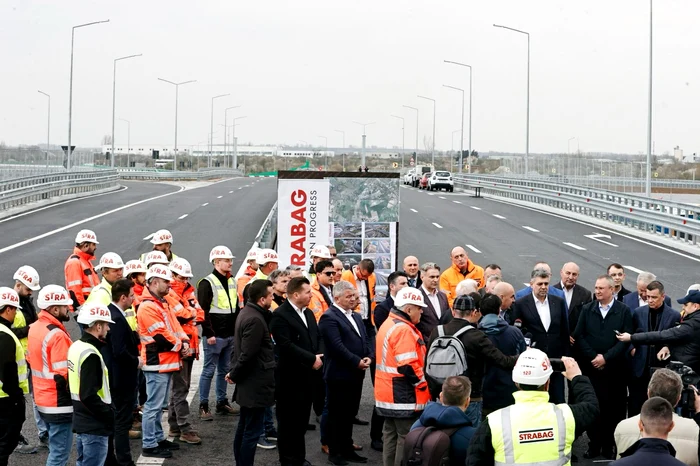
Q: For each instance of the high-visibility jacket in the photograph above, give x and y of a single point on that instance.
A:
(19, 360)
(450, 278)
(349, 276)
(318, 304)
(185, 313)
(77, 354)
(259, 275)
(102, 294)
(223, 303)
(81, 277)
(21, 322)
(532, 431)
(161, 335)
(243, 281)
(400, 388)
(48, 358)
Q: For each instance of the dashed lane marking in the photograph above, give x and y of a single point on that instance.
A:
(534, 230)
(414, 211)
(230, 192)
(575, 246)
(456, 202)
(437, 225)
(475, 208)
(205, 204)
(499, 216)
(473, 248)
(441, 197)
(633, 269)
(182, 216)
(219, 197)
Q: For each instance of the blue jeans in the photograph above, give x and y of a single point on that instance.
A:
(157, 385)
(250, 427)
(92, 449)
(473, 412)
(40, 424)
(60, 443)
(268, 422)
(217, 357)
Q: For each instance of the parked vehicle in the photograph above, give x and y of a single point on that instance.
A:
(408, 177)
(420, 170)
(441, 180)
(424, 181)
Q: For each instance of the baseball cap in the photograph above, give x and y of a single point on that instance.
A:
(692, 297)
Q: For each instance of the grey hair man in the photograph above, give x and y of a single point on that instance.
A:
(528, 289)
(638, 298)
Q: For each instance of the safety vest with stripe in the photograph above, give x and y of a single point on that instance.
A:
(400, 388)
(371, 282)
(156, 319)
(81, 277)
(20, 360)
(532, 431)
(223, 303)
(102, 294)
(77, 354)
(21, 322)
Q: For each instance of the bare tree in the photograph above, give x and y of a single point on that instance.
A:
(106, 139)
(428, 143)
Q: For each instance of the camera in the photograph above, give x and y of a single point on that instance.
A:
(557, 365)
(688, 376)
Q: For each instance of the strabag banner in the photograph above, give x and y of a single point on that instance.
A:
(302, 219)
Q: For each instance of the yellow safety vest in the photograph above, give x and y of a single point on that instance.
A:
(20, 360)
(21, 322)
(102, 294)
(77, 353)
(532, 431)
(222, 303)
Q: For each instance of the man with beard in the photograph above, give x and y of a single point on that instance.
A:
(162, 240)
(81, 277)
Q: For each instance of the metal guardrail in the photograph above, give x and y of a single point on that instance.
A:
(157, 175)
(669, 219)
(267, 236)
(611, 181)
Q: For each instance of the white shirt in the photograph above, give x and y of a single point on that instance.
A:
(543, 311)
(568, 293)
(361, 286)
(348, 314)
(605, 309)
(329, 292)
(642, 302)
(434, 301)
(300, 312)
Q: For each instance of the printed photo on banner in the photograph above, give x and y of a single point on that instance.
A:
(363, 200)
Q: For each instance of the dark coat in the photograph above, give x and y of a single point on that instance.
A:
(595, 335)
(417, 285)
(296, 347)
(121, 353)
(253, 359)
(647, 451)
(382, 311)
(622, 293)
(90, 414)
(631, 300)
(579, 297)
(553, 341)
(447, 417)
(343, 347)
(669, 318)
(429, 319)
(683, 340)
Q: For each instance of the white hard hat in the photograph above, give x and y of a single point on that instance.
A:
(134, 266)
(533, 368)
(321, 251)
(94, 313)
(161, 237)
(220, 252)
(155, 257)
(110, 260)
(252, 255)
(159, 271)
(53, 295)
(86, 236)
(28, 276)
(409, 295)
(266, 255)
(9, 297)
(181, 267)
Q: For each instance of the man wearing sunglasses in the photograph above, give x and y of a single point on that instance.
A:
(322, 288)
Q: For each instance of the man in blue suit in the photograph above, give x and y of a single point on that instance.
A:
(347, 356)
(639, 297)
(551, 290)
(655, 316)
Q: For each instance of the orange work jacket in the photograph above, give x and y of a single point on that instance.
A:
(157, 325)
(81, 277)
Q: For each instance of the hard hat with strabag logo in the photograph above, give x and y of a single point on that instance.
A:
(94, 313)
(220, 252)
(181, 267)
(409, 295)
(321, 251)
(28, 276)
(160, 237)
(9, 297)
(159, 271)
(53, 295)
(532, 368)
(110, 260)
(134, 266)
(86, 236)
(155, 257)
(266, 255)
(252, 255)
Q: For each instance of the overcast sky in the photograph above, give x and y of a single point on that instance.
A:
(303, 69)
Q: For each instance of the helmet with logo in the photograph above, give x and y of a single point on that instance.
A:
(161, 237)
(28, 276)
(86, 236)
(134, 266)
(321, 251)
(532, 368)
(94, 313)
(110, 260)
(266, 255)
(9, 297)
(159, 271)
(155, 257)
(252, 255)
(181, 267)
(220, 252)
(53, 295)
(409, 295)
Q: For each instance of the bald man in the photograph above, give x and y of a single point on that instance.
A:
(461, 269)
(506, 293)
(576, 295)
(528, 289)
(411, 267)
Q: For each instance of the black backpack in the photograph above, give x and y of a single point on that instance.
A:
(428, 446)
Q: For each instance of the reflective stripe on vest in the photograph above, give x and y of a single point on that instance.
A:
(19, 359)
(78, 352)
(130, 315)
(46, 372)
(222, 304)
(21, 322)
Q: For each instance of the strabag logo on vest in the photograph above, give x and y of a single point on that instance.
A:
(298, 231)
(536, 435)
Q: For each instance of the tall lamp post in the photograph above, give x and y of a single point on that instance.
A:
(128, 140)
(403, 137)
(226, 132)
(364, 139)
(433, 145)
(48, 128)
(341, 131)
(414, 108)
(471, 72)
(461, 138)
(568, 144)
(177, 90)
(234, 142)
(211, 126)
(114, 98)
(326, 151)
(647, 184)
(527, 121)
(70, 92)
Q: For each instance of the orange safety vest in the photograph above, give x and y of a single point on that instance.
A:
(318, 304)
(349, 275)
(451, 277)
(243, 281)
(156, 318)
(81, 277)
(186, 310)
(400, 394)
(48, 344)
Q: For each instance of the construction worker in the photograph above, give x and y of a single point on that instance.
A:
(155, 257)
(318, 253)
(533, 430)
(322, 288)
(81, 277)
(185, 306)
(400, 389)
(267, 262)
(111, 267)
(163, 343)
(461, 269)
(219, 299)
(13, 376)
(48, 357)
(88, 380)
(250, 270)
(27, 280)
(162, 240)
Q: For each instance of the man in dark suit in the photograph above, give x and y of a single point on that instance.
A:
(298, 350)
(412, 269)
(603, 361)
(576, 295)
(121, 356)
(347, 355)
(617, 273)
(638, 298)
(438, 311)
(544, 316)
(491, 270)
(396, 280)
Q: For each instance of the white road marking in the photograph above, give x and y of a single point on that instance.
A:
(456, 202)
(473, 248)
(414, 211)
(230, 192)
(441, 197)
(534, 230)
(575, 246)
(219, 197)
(475, 208)
(182, 216)
(437, 225)
(241, 187)
(205, 204)
(431, 194)
(597, 236)
(499, 216)
(633, 269)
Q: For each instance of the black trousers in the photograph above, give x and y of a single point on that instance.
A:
(292, 418)
(611, 390)
(118, 447)
(343, 402)
(377, 422)
(11, 420)
(319, 390)
(638, 387)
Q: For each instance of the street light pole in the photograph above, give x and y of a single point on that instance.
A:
(326, 154)
(70, 92)
(414, 108)
(471, 72)
(364, 139)
(48, 129)
(128, 140)
(177, 91)
(403, 137)
(647, 184)
(461, 139)
(226, 132)
(341, 131)
(114, 98)
(211, 126)
(568, 144)
(235, 143)
(433, 146)
(527, 121)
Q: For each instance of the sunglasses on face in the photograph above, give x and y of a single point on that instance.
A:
(328, 274)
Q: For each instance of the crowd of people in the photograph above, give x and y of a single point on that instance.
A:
(465, 369)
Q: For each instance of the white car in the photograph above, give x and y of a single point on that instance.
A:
(441, 180)
(408, 177)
